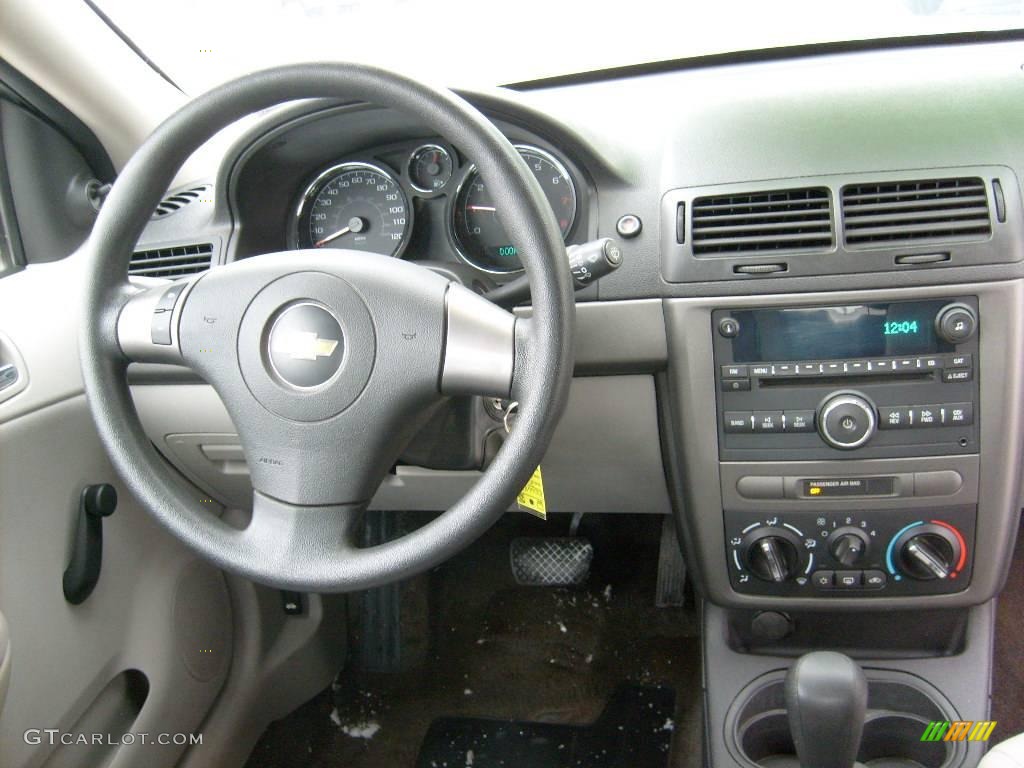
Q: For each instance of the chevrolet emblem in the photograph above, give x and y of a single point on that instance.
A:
(305, 345)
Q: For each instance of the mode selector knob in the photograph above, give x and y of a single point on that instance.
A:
(956, 323)
(846, 420)
(773, 558)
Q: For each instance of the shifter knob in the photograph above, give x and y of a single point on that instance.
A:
(826, 699)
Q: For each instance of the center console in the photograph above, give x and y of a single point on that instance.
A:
(829, 383)
(845, 469)
(857, 449)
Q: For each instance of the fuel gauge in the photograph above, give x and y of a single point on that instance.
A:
(430, 168)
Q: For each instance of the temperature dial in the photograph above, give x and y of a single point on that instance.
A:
(927, 551)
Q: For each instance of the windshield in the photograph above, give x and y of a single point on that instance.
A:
(199, 43)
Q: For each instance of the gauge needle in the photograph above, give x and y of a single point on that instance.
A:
(355, 224)
(489, 208)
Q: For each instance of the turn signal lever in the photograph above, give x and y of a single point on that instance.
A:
(588, 262)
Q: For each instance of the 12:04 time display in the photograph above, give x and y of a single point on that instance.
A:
(900, 327)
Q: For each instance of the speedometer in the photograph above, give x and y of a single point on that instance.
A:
(476, 221)
(356, 206)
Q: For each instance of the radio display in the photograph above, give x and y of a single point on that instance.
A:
(825, 333)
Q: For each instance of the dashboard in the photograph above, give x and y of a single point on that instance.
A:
(779, 356)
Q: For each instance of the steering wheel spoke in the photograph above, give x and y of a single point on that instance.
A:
(479, 346)
(147, 326)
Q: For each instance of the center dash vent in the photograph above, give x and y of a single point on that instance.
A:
(903, 212)
(177, 201)
(781, 220)
(176, 261)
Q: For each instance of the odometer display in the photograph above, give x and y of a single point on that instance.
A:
(355, 206)
(476, 222)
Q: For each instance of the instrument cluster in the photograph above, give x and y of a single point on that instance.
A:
(381, 201)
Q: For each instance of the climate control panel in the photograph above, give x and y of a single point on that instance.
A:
(895, 553)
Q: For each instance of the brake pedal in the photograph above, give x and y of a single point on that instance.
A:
(551, 562)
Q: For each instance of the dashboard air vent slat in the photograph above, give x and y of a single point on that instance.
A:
(758, 222)
(175, 261)
(932, 210)
(177, 201)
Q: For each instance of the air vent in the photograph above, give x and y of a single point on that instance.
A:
(176, 261)
(177, 201)
(903, 212)
(782, 220)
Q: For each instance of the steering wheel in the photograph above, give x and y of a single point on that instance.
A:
(327, 363)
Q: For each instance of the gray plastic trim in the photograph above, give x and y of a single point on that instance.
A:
(479, 345)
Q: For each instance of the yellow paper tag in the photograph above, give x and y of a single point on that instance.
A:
(531, 498)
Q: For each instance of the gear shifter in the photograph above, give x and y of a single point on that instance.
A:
(826, 698)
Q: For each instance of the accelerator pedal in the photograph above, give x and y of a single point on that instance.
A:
(551, 562)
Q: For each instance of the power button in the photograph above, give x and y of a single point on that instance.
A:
(729, 327)
(846, 421)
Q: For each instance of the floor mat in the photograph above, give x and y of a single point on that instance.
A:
(1008, 675)
(485, 647)
(634, 730)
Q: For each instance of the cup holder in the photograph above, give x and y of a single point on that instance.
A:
(898, 713)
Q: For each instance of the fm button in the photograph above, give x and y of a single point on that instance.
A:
(846, 421)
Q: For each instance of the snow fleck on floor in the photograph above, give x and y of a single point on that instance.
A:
(364, 730)
(669, 725)
(608, 593)
(469, 758)
(562, 628)
(467, 692)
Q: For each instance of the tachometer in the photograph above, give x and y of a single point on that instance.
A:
(479, 234)
(354, 205)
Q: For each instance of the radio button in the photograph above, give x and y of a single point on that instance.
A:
(857, 366)
(894, 417)
(926, 415)
(882, 366)
(799, 421)
(808, 369)
(846, 421)
(734, 372)
(785, 369)
(905, 364)
(833, 368)
(735, 385)
(767, 421)
(738, 422)
(760, 370)
(729, 327)
(957, 414)
(958, 361)
(931, 363)
(954, 375)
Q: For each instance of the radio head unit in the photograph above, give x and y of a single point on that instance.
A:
(879, 380)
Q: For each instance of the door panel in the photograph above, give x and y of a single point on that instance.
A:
(158, 620)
